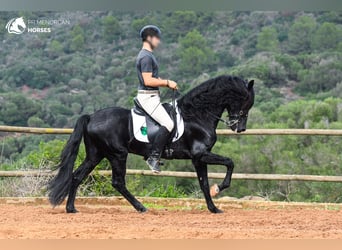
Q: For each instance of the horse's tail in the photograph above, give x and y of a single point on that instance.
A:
(60, 185)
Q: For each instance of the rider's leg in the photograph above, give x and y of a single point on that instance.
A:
(158, 145)
(152, 105)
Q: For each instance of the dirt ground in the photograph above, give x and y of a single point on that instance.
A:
(113, 218)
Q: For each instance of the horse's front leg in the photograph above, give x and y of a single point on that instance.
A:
(202, 174)
(214, 159)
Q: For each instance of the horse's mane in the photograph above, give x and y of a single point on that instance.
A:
(213, 94)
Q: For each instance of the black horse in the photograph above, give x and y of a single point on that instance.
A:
(108, 134)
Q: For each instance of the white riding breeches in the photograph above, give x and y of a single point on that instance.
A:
(151, 104)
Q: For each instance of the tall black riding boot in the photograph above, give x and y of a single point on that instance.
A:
(158, 146)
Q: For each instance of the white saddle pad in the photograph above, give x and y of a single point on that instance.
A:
(139, 127)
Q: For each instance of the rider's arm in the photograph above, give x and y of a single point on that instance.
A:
(152, 81)
(149, 80)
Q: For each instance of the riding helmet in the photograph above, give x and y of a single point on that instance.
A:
(149, 30)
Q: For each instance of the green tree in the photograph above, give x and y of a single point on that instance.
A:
(239, 35)
(40, 79)
(35, 121)
(193, 60)
(77, 43)
(193, 39)
(268, 39)
(137, 24)
(291, 65)
(326, 37)
(77, 30)
(179, 23)
(301, 34)
(56, 47)
(77, 40)
(195, 55)
(320, 78)
(15, 109)
(111, 28)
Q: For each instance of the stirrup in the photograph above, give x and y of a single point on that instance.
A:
(154, 164)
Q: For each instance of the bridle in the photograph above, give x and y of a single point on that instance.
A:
(237, 118)
(232, 120)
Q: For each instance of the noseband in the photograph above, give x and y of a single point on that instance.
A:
(235, 118)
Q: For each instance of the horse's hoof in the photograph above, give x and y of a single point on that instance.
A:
(214, 190)
(71, 210)
(216, 211)
(142, 210)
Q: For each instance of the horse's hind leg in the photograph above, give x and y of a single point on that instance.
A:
(78, 176)
(118, 164)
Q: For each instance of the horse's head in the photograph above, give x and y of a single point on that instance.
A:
(238, 110)
(20, 22)
(16, 25)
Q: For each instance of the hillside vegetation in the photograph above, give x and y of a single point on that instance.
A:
(50, 79)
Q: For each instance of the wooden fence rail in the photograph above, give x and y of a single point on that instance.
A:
(31, 130)
(239, 176)
(268, 177)
(328, 132)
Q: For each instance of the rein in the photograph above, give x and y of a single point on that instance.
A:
(174, 112)
(229, 123)
(174, 99)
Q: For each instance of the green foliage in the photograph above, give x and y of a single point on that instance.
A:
(35, 121)
(56, 47)
(193, 39)
(239, 35)
(137, 24)
(180, 23)
(327, 37)
(321, 76)
(77, 39)
(301, 34)
(263, 67)
(111, 29)
(77, 43)
(77, 30)
(165, 191)
(46, 154)
(16, 109)
(291, 65)
(268, 39)
(194, 54)
(305, 114)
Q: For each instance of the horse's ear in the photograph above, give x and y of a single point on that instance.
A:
(250, 84)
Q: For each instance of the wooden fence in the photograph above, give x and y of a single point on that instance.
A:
(240, 176)
(237, 176)
(327, 132)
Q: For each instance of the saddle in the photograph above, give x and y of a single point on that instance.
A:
(145, 127)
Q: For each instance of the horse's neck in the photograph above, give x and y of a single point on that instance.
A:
(210, 115)
(213, 114)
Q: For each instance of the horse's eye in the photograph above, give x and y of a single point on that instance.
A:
(241, 112)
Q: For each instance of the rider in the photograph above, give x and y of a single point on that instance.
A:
(148, 92)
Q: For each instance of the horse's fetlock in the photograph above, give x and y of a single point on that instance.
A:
(117, 184)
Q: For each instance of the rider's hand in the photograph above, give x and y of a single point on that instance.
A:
(172, 84)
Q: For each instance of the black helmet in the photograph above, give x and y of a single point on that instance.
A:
(149, 30)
